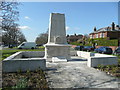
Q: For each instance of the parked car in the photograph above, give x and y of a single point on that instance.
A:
(39, 45)
(88, 48)
(27, 45)
(104, 50)
(79, 48)
(117, 51)
(11, 46)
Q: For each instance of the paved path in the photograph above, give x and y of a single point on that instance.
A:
(0, 74)
(75, 74)
(0, 69)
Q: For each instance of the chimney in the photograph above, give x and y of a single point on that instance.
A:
(108, 28)
(117, 27)
(113, 26)
(67, 35)
(95, 29)
(75, 34)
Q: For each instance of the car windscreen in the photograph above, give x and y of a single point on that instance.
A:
(88, 47)
(108, 49)
(23, 44)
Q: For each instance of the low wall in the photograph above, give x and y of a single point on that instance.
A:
(28, 54)
(14, 56)
(23, 64)
(73, 53)
(85, 54)
(16, 61)
(33, 54)
(103, 55)
(95, 59)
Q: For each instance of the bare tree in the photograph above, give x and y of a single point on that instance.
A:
(21, 38)
(13, 37)
(42, 39)
(9, 16)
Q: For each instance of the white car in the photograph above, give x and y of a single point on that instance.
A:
(27, 45)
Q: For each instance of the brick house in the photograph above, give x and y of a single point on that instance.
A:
(73, 38)
(112, 32)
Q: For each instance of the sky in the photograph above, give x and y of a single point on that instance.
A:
(81, 17)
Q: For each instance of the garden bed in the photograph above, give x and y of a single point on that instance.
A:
(27, 79)
(112, 70)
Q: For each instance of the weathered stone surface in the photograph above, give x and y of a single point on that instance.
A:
(59, 59)
(57, 51)
(26, 60)
(57, 43)
(95, 59)
(23, 64)
(76, 74)
(57, 32)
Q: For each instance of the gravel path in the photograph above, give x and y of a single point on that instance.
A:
(76, 74)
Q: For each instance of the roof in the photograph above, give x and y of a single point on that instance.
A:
(106, 29)
(75, 36)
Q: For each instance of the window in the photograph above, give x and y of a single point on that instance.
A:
(96, 35)
(101, 35)
(91, 36)
(22, 44)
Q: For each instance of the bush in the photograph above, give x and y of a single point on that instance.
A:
(108, 43)
(104, 42)
(76, 43)
(99, 41)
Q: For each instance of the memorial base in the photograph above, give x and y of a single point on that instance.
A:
(57, 50)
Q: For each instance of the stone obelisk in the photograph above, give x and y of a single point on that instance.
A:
(57, 43)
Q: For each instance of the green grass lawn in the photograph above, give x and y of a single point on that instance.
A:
(7, 52)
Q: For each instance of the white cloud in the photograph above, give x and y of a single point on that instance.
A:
(24, 27)
(26, 17)
(67, 28)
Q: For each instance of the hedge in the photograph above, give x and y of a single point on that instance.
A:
(108, 43)
(99, 41)
(105, 42)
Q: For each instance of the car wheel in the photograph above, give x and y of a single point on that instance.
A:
(102, 52)
(87, 50)
(32, 48)
(115, 53)
(99, 52)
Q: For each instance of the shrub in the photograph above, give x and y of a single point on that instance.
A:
(104, 42)
(75, 43)
(21, 83)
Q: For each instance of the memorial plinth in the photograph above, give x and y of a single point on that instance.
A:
(57, 43)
